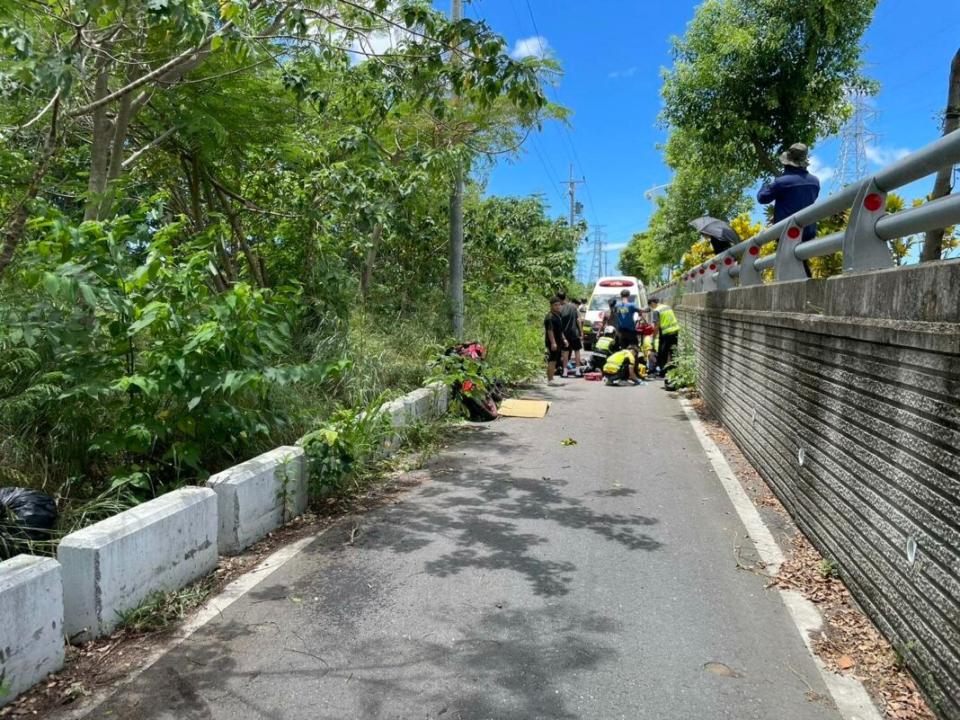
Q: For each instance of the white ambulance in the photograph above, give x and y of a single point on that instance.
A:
(605, 289)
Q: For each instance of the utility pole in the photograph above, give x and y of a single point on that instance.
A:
(933, 240)
(572, 192)
(456, 222)
(574, 205)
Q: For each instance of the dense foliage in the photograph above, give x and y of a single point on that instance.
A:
(223, 221)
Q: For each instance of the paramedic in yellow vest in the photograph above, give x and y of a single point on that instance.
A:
(667, 328)
(622, 365)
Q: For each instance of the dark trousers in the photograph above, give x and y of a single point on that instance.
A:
(665, 352)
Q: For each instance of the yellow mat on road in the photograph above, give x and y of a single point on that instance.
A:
(524, 408)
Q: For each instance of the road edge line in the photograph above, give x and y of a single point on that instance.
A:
(849, 695)
(209, 610)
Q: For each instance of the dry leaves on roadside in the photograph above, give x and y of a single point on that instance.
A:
(850, 643)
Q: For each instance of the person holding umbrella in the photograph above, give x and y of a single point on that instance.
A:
(721, 236)
(794, 190)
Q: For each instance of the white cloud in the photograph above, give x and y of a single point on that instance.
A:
(824, 172)
(615, 246)
(882, 156)
(629, 72)
(378, 42)
(534, 46)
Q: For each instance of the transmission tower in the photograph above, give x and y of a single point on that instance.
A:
(598, 256)
(855, 137)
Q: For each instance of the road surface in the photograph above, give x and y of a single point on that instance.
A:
(523, 579)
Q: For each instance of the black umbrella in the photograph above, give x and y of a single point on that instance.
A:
(722, 236)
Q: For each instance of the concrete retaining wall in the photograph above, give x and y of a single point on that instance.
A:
(426, 403)
(31, 623)
(845, 395)
(112, 566)
(258, 496)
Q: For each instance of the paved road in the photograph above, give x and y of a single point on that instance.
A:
(522, 580)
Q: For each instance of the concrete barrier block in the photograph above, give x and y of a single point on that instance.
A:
(113, 565)
(31, 623)
(258, 496)
(420, 404)
(441, 398)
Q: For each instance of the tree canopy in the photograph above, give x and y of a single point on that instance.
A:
(749, 78)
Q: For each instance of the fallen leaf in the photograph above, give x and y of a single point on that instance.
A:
(568, 442)
(845, 662)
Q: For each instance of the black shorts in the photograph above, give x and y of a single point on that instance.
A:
(573, 340)
(628, 338)
(553, 356)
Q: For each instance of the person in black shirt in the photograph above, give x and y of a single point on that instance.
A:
(553, 338)
(572, 331)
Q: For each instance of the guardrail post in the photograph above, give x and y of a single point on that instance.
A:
(863, 249)
(725, 264)
(701, 273)
(749, 275)
(709, 279)
(786, 265)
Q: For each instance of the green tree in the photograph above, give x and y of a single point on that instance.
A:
(750, 77)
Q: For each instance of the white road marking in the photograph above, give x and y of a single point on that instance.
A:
(210, 610)
(851, 698)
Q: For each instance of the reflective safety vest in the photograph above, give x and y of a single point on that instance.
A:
(650, 342)
(669, 325)
(616, 361)
(605, 344)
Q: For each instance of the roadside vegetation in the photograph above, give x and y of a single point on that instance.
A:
(225, 226)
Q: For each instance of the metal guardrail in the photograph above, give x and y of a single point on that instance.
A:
(864, 242)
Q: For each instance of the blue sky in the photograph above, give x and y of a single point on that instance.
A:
(612, 52)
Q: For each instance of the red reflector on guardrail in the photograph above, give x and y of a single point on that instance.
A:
(702, 271)
(754, 250)
(728, 261)
(793, 233)
(713, 266)
(873, 202)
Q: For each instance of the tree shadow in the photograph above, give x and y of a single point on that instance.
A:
(492, 513)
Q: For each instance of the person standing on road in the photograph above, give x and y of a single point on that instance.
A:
(796, 189)
(553, 338)
(626, 314)
(666, 328)
(572, 332)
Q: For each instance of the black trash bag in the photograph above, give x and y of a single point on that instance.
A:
(24, 515)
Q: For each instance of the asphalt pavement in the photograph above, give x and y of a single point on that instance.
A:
(523, 579)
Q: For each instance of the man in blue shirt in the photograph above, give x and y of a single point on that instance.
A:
(796, 189)
(625, 313)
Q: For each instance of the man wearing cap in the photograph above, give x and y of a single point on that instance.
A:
(667, 329)
(794, 190)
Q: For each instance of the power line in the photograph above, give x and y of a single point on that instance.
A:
(566, 130)
(553, 177)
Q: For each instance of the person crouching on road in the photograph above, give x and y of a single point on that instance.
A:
(622, 365)
(553, 338)
(667, 329)
(648, 346)
(603, 348)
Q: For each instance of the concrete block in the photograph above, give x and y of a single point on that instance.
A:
(441, 396)
(31, 623)
(258, 496)
(113, 565)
